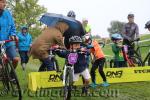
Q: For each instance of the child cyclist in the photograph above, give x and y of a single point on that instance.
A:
(98, 60)
(119, 60)
(80, 68)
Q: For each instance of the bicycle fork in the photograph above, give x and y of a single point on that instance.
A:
(65, 73)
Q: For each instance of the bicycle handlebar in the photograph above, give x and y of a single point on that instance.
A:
(5, 41)
(135, 40)
(71, 51)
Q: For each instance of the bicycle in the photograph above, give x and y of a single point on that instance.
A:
(138, 53)
(8, 74)
(68, 73)
(147, 58)
(52, 57)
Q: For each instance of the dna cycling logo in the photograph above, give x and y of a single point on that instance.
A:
(55, 78)
(114, 74)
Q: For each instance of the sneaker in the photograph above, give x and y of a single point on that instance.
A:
(93, 85)
(105, 84)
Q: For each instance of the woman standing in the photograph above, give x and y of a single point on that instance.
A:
(24, 43)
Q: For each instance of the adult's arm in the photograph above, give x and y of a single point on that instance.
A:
(137, 31)
(12, 30)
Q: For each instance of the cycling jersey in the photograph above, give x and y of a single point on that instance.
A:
(130, 31)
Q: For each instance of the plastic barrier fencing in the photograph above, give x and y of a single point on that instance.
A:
(49, 79)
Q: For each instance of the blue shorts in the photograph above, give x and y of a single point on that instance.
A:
(11, 52)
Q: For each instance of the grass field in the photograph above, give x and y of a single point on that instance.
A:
(121, 91)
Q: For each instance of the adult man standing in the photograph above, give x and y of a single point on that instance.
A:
(130, 33)
(73, 29)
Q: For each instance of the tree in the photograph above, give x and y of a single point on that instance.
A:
(116, 27)
(27, 12)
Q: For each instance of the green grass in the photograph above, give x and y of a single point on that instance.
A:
(145, 36)
(127, 91)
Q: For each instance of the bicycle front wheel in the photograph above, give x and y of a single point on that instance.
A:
(149, 61)
(68, 84)
(112, 63)
(3, 79)
(14, 85)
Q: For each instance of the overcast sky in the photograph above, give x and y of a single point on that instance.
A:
(101, 12)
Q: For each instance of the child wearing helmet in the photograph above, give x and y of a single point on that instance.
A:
(98, 60)
(119, 60)
(24, 43)
(80, 67)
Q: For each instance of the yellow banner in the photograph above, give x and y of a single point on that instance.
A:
(49, 79)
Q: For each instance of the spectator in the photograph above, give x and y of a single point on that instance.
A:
(49, 37)
(86, 26)
(73, 30)
(130, 33)
(24, 43)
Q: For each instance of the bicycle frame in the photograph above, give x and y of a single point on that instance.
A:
(3, 53)
(128, 60)
(68, 74)
(9, 71)
(66, 70)
(147, 56)
(69, 66)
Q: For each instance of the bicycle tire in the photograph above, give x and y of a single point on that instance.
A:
(13, 80)
(112, 63)
(68, 85)
(149, 61)
(4, 81)
(136, 61)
